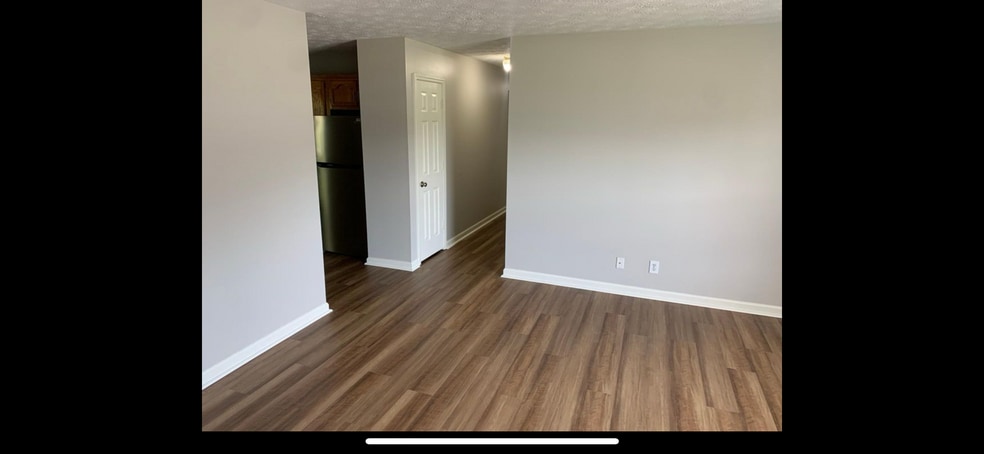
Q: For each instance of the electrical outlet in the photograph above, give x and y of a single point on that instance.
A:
(620, 263)
(653, 267)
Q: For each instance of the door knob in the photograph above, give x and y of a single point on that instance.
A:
(423, 184)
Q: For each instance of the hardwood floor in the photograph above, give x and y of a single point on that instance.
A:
(455, 347)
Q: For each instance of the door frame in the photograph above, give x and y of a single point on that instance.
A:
(416, 258)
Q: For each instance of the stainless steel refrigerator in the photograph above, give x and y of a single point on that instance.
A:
(341, 184)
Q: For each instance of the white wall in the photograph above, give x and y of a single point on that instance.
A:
(664, 145)
(262, 265)
(475, 98)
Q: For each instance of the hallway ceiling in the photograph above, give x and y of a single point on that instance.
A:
(482, 28)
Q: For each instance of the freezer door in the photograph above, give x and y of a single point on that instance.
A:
(338, 140)
(343, 211)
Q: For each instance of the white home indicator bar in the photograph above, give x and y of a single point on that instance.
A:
(491, 441)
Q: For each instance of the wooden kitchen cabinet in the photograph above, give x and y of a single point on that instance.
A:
(343, 92)
(318, 97)
(334, 92)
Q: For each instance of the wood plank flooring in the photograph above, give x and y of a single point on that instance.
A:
(455, 347)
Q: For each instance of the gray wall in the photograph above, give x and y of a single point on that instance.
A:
(662, 145)
(332, 61)
(262, 263)
(383, 104)
(476, 101)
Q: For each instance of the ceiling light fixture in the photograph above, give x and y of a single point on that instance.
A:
(506, 65)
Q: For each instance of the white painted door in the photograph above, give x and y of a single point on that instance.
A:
(430, 156)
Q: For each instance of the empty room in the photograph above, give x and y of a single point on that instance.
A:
(504, 216)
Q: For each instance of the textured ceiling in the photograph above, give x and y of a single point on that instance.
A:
(482, 28)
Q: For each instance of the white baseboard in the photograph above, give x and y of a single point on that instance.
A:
(393, 264)
(478, 225)
(226, 366)
(641, 292)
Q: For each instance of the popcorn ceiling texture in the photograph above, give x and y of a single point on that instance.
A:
(482, 28)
